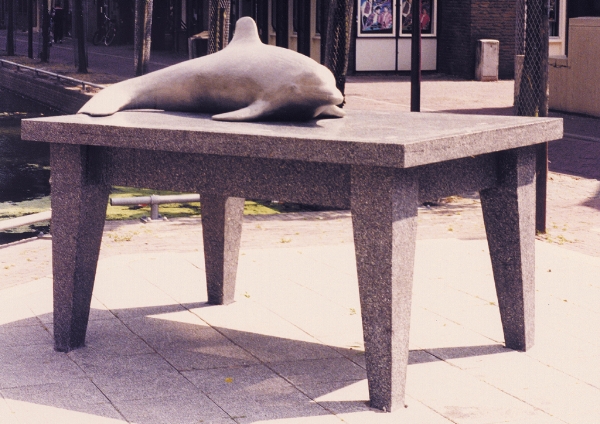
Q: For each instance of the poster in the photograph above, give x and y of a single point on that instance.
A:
(376, 18)
(427, 14)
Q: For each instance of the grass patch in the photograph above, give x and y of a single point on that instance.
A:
(171, 210)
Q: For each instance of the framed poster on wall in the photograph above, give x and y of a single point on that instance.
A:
(427, 17)
(376, 18)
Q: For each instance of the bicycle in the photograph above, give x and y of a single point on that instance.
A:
(106, 33)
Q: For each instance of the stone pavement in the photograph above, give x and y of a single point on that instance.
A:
(289, 350)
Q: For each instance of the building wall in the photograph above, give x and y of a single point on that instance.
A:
(455, 54)
(463, 22)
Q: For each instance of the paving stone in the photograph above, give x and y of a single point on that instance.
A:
(34, 413)
(126, 293)
(542, 387)
(76, 394)
(35, 364)
(462, 398)
(568, 354)
(111, 337)
(305, 374)
(181, 409)
(254, 393)
(262, 333)
(431, 331)
(175, 275)
(16, 312)
(6, 415)
(135, 377)
(25, 335)
(187, 342)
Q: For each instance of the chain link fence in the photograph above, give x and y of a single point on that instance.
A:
(531, 84)
(218, 24)
(338, 26)
(531, 60)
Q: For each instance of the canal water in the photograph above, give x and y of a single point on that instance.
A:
(24, 167)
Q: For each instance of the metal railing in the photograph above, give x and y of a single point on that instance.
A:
(51, 74)
(154, 200)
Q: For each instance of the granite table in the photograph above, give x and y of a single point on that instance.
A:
(379, 165)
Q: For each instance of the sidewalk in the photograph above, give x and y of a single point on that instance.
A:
(289, 350)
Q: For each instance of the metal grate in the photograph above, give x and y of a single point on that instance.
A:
(531, 60)
(337, 41)
(218, 24)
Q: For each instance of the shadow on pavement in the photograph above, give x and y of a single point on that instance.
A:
(167, 359)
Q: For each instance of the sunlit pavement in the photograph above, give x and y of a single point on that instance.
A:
(289, 350)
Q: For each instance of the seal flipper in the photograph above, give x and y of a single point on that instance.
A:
(330, 111)
(254, 111)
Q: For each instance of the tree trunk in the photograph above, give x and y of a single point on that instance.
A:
(142, 36)
(80, 33)
(10, 28)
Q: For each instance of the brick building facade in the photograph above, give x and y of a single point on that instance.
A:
(462, 22)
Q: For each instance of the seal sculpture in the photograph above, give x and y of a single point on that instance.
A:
(246, 81)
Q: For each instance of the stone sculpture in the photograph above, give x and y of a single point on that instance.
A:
(246, 81)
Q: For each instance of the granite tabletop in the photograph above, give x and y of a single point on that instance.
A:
(392, 139)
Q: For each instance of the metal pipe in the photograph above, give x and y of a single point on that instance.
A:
(155, 199)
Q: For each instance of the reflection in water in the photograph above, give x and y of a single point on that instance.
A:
(24, 165)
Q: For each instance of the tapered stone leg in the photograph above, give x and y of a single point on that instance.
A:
(384, 219)
(78, 212)
(221, 232)
(509, 215)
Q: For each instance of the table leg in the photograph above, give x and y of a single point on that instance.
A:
(221, 232)
(79, 201)
(384, 219)
(509, 216)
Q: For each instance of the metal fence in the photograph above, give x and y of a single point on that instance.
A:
(339, 14)
(531, 84)
(218, 24)
(531, 60)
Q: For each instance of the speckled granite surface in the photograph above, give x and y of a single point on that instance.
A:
(362, 138)
(378, 164)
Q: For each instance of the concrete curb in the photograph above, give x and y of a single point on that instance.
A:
(62, 98)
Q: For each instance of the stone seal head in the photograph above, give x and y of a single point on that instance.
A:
(246, 81)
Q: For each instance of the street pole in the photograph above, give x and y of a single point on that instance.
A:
(10, 30)
(542, 149)
(415, 58)
(30, 29)
(80, 32)
(45, 32)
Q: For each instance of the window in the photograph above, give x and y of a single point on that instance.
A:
(554, 17)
